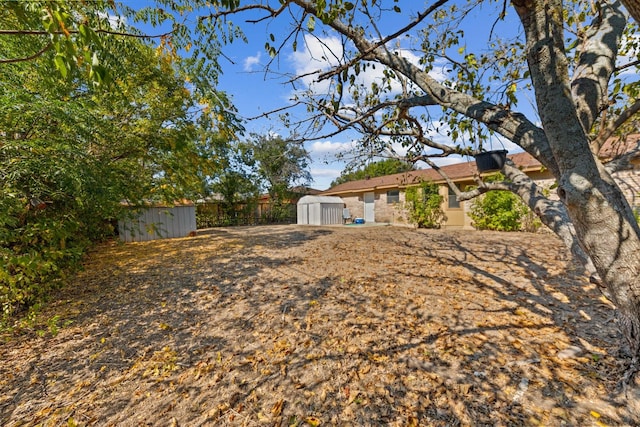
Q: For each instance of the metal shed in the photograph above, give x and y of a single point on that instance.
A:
(320, 210)
(158, 222)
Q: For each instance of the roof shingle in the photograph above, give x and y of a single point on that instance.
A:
(457, 172)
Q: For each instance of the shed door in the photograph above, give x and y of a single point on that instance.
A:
(369, 207)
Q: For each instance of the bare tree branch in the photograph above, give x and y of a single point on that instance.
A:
(607, 131)
(379, 43)
(623, 162)
(512, 125)
(272, 13)
(628, 65)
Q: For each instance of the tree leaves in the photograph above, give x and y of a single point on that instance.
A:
(281, 163)
(72, 151)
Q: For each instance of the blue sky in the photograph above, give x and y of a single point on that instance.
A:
(254, 93)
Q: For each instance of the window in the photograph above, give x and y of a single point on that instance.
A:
(393, 196)
(453, 200)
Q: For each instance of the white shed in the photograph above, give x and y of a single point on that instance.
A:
(320, 210)
(158, 222)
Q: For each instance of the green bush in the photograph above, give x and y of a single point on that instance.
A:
(424, 204)
(71, 151)
(36, 253)
(502, 211)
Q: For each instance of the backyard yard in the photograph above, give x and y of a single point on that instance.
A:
(291, 325)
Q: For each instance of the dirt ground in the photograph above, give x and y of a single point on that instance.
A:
(290, 325)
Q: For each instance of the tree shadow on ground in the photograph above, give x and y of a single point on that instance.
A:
(293, 325)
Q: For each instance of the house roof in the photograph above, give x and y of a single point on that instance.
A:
(614, 147)
(310, 200)
(457, 172)
(301, 189)
(157, 204)
(294, 191)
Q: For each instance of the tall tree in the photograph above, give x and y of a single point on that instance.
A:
(71, 151)
(280, 163)
(239, 192)
(566, 54)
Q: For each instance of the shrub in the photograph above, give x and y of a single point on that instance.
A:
(35, 255)
(47, 220)
(424, 204)
(502, 211)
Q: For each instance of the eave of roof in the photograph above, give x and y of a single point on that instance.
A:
(465, 171)
(458, 172)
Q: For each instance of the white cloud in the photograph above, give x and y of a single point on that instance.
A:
(250, 61)
(397, 149)
(316, 55)
(451, 160)
(322, 178)
(325, 173)
(116, 22)
(439, 72)
(629, 54)
(319, 54)
(329, 147)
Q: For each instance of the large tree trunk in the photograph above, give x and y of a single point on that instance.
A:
(552, 213)
(633, 6)
(603, 219)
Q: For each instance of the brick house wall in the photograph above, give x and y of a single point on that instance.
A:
(629, 182)
(457, 216)
(385, 211)
(390, 211)
(355, 204)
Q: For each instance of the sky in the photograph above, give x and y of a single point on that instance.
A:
(254, 93)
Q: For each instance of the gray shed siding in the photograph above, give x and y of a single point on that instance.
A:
(320, 210)
(158, 223)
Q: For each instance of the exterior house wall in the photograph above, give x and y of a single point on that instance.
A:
(398, 211)
(457, 217)
(355, 204)
(387, 211)
(629, 182)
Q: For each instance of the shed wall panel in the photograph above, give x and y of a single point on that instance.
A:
(332, 214)
(315, 217)
(158, 223)
(320, 210)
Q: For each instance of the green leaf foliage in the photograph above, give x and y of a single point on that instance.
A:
(501, 211)
(238, 197)
(424, 204)
(278, 164)
(72, 151)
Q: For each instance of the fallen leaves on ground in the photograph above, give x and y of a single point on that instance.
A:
(304, 326)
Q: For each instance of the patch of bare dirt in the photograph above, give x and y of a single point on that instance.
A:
(313, 326)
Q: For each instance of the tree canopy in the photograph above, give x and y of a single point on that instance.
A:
(72, 150)
(279, 163)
